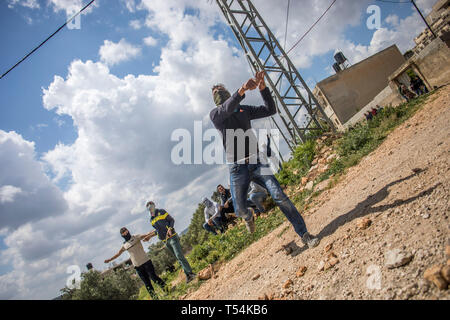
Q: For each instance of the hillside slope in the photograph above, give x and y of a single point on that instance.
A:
(381, 206)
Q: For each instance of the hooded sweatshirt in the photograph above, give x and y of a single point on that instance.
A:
(231, 115)
(211, 210)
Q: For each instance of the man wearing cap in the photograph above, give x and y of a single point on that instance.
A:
(163, 223)
(140, 259)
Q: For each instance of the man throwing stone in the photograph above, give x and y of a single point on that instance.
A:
(233, 121)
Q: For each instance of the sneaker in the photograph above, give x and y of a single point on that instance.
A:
(310, 241)
(190, 277)
(250, 224)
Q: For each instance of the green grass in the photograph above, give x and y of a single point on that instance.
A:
(366, 136)
(351, 147)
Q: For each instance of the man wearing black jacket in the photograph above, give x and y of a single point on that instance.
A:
(233, 121)
(163, 223)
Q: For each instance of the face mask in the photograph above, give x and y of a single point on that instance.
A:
(152, 208)
(220, 96)
(127, 236)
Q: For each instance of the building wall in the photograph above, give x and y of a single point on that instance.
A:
(439, 21)
(434, 63)
(388, 97)
(347, 92)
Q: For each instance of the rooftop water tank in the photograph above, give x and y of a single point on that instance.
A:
(340, 58)
(336, 67)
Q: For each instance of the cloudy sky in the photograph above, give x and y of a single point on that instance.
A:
(86, 122)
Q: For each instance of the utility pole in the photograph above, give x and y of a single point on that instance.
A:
(429, 27)
(264, 52)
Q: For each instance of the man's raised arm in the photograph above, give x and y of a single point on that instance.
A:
(115, 256)
(223, 111)
(268, 109)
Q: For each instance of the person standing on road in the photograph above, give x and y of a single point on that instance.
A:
(256, 195)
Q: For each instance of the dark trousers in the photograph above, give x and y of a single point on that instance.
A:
(223, 212)
(146, 272)
(217, 224)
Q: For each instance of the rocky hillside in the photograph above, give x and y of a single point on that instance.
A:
(384, 226)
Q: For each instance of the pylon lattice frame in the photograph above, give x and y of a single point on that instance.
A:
(264, 52)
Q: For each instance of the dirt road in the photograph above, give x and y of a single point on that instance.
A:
(408, 212)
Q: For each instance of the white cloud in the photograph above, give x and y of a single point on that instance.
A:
(26, 192)
(8, 193)
(113, 53)
(150, 41)
(70, 7)
(131, 5)
(136, 24)
(32, 4)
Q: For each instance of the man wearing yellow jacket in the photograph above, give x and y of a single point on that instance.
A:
(163, 224)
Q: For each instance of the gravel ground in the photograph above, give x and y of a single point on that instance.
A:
(381, 227)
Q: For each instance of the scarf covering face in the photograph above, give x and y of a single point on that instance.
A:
(220, 96)
(127, 236)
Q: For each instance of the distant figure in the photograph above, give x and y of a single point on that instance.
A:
(379, 109)
(226, 201)
(256, 195)
(405, 92)
(422, 86)
(373, 112)
(369, 116)
(414, 86)
(213, 219)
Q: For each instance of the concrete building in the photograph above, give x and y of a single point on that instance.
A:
(432, 65)
(351, 90)
(439, 21)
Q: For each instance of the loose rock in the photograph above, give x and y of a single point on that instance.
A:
(364, 223)
(397, 258)
(301, 271)
(445, 272)
(328, 247)
(433, 275)
(287, 284)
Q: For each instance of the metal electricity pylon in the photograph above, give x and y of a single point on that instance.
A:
(294, 99)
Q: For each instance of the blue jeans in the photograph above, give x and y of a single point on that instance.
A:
(217, 224)
(257, 199)
(240, 177)
(174, 246)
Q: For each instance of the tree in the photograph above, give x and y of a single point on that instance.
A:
(161, 258)
(120, 284)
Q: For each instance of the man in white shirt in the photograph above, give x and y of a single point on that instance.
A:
(140, 259)
(213, 219)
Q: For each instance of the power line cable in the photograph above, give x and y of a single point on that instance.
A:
(48, 38)
(314, 24)
(393, 1)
